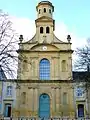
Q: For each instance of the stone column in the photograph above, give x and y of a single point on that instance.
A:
(55, 68)
(33, 90)
(36, 100)
(57, 99)
(16, 109)
(30, 99)
(18, 96)
(37, 68)
(69, 67)
(52, 69)
(53, 99)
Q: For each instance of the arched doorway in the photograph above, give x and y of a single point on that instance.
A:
(80, 110)
(44, 106)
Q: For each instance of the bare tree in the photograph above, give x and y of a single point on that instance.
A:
(8, 46)
(83, 60)
(83, 57)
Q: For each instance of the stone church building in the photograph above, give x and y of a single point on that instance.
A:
(44, 87)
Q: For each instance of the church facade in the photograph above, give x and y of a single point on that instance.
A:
(44, 87)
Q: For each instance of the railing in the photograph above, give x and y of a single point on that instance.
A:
(33, 118)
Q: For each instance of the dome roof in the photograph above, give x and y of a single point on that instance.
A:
(45, 2)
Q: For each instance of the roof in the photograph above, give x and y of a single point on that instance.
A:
(45, 2)
(45, 19)
(81, 75)
(2, 74)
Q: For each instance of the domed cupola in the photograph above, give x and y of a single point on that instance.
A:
(45, 8)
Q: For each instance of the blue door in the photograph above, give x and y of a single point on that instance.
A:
(44, 106)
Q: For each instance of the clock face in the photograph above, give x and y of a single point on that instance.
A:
(44, 47)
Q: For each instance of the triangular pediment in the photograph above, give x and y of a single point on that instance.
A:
(44, 18)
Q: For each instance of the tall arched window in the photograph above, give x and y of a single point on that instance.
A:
(41, 29)
(44, 10)
(49, 10)
(47, 30)
(63, 65)
(39, 11)
(44, 69)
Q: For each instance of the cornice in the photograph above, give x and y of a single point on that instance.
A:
(38, 81)
(28, 51)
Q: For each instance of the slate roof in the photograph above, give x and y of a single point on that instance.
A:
(81, 76)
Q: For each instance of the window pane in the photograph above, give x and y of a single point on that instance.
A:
(79, 92)
(44, 69)
(9, 90)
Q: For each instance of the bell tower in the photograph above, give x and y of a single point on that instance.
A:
(45, 25)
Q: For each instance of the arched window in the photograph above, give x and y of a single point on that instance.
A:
(44, 10)
(47, 30)
(39, 11)
(63, 65)
(41, 29)
(44, 69)
(49, 10)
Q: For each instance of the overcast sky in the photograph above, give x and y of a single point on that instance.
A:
(72, 17)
